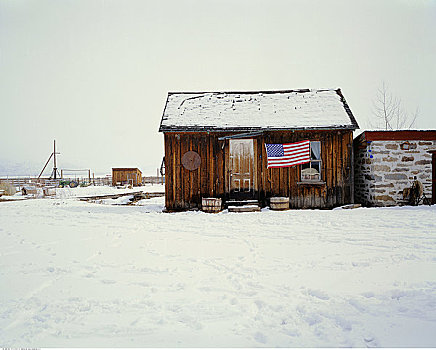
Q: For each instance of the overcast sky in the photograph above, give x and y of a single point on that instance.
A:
(94, 74)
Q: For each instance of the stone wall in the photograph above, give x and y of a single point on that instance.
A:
(379, 180)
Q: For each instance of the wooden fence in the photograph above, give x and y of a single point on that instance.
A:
(97, 181)
(153, 180)
(41, 182)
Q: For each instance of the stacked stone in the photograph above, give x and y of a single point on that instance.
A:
(363, 177)
(380, 180)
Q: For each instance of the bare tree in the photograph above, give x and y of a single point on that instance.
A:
(389, 112)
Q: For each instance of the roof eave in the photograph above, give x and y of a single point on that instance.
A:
(348, 109)
(248, 129)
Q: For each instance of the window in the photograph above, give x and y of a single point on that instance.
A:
(312, 171)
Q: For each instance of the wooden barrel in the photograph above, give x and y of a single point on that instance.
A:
(211, 205)
(279, 203)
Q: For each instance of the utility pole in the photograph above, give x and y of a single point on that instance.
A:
(55, 169)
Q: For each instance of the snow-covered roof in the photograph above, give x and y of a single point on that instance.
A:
(261, 110)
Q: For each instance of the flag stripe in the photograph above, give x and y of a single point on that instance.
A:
(288, 154)
(292, 160)
(293, 154)
(287, 157)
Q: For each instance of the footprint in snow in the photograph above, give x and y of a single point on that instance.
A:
(260, 337)
(370, 342)
(318, 294)
(108, 281)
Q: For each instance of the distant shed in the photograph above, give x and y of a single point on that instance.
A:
(215, 147)
(386, 163)
(126, 176)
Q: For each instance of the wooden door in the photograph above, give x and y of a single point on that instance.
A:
(242, 179)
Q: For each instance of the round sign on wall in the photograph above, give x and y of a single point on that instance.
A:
(191, 160)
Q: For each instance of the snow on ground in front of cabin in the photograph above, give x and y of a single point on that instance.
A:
(67, 192)
(80, 274)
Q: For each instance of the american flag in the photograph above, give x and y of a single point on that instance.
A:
(287, 154)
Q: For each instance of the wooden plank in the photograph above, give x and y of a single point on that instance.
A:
(191, 177)
(317, 197)
(255, 172)
(219, 166)
(433, 178)
(198, 171)
(262, 170)
(226, 169)
(170, 180)
(345, 168)
(322, 192)
(223, 162)
(184, 173)
(215, 165)
(341, 167)
(341, 155)
(280, 175)
(337, 162)
(168, 166)
(178, 176)
(211, 169)
(330, 183)
(194, 175)
(261, 167)
(351, 164)
(335, 159)
(187, 175)
(292, 192)
(285, 173)
(243, 208)
(294, 178)
(204, 164)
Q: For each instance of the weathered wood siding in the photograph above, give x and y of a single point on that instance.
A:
(122, 175)
(184, 189)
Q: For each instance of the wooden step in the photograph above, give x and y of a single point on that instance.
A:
(243, 208)
(235, 203)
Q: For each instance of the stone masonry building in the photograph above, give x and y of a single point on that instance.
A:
(386, 162)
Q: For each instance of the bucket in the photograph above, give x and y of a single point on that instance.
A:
(279, 203)
(211, 205)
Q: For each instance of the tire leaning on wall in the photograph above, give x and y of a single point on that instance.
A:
(74, 184)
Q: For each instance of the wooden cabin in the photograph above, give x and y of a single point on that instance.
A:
(387, 162)
(126, 176)
(215, 147)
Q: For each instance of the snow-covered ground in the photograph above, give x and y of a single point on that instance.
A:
(102, 190)
(79, 274)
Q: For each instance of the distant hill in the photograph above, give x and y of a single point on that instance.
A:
(11, 168)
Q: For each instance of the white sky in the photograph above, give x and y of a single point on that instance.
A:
(94, 75)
